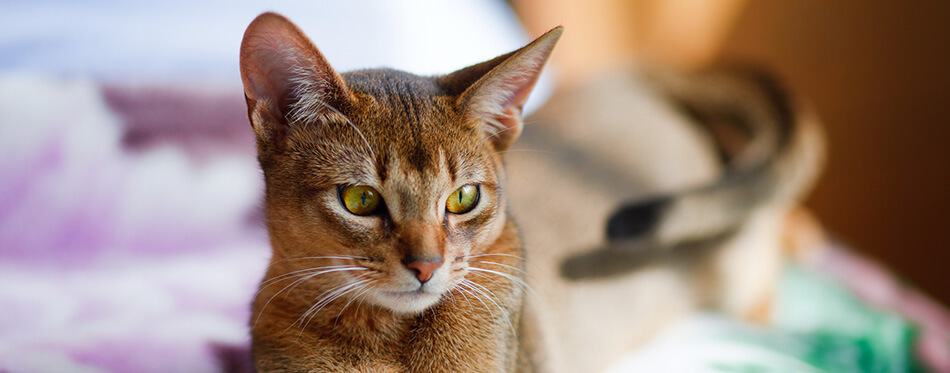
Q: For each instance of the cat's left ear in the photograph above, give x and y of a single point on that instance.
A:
(498, 95)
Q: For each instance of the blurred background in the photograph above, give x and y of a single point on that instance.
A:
(875, 71)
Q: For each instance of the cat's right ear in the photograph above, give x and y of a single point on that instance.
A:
(286, 78)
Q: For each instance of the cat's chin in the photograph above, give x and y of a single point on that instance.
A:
(407, 302)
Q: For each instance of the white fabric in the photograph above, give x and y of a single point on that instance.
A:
(197, 42)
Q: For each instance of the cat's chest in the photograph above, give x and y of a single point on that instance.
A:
(379, 331)
(386, 344)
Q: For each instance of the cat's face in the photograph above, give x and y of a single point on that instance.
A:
(407, 193)
(382, 185)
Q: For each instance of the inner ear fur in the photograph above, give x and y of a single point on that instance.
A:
(286, 78)
(495, 91)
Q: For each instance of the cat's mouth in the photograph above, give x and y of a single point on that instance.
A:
(413, 295)
(413, 301)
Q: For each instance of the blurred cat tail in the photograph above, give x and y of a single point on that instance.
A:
(772, 148)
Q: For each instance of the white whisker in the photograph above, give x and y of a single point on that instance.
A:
(452, 296)
(491, 297)
(341, 257)
(497, 264)
(461, 291)
(365, 288)
(327, 297)
(495, 254)
(471, 290)
(302, 272)
(516, 280)
(309, 274)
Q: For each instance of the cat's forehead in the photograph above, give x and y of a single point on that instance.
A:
(399, 100)
(412, 120)
(394, 102)
(390, 83)
(409, 185)
(435, 163)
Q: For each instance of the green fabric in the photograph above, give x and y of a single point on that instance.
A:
(828, 329)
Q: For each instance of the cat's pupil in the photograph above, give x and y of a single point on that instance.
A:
(363, 198)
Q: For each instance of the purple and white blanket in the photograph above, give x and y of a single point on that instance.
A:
(130, 238)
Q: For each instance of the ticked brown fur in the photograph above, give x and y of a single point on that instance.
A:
(339, 294)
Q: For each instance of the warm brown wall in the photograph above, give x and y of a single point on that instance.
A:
(878, 73)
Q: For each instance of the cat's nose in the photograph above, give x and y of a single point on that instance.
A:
(424, 267)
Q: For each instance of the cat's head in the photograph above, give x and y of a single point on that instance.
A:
(383, 182)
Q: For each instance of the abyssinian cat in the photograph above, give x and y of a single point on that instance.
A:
(386, 209)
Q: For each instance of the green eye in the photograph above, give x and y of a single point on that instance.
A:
(360, 199)
(462, 200)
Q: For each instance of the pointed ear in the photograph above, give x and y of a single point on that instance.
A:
(501, 86)
(286, 78)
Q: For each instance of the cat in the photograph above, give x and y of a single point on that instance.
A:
(647, 195)
(386, 208)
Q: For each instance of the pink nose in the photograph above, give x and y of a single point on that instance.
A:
(424, 268)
